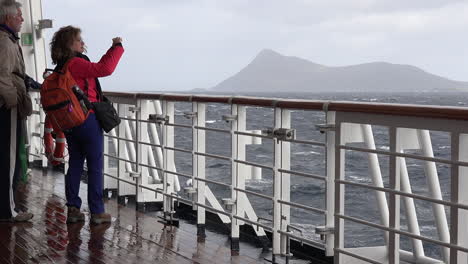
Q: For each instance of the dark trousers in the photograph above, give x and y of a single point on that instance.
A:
(10, 131)
(85, 142)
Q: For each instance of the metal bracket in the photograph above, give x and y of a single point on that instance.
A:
(228, 203)
(323, 231)
(229, 118)
(325, 127)
(133, 109)
(191, 191)
(190, 115)
(134, 174)
(280, 133)
(158, 118)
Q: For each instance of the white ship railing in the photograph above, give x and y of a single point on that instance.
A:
(144, 146)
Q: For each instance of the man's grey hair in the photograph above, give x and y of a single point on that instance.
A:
(8, 8)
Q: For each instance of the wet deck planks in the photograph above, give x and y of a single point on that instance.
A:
(132, 237)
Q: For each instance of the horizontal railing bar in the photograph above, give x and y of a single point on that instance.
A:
(119, 138)
(400, 232)
(242, 133)
(405, 155)
(151, 144)
(253, 223)
(213, 210)
(127, 118)
(166, 171)
(303, 174)
(179, 149)
(161, 191)
(254, 193)
(178, 125)
(213, 129)
(35, 155)
(253, 164)
(213, 182)
(405, 194)
(146, 121)
(119, 179)
(118, 158)
(174, 197)
(212, 156)
(305, 207)
(342, 251)
(150, 167)
(178, 174)
(302, 239)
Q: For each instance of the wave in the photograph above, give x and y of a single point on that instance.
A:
(306, 153)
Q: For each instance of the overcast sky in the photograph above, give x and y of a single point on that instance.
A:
(184, 44)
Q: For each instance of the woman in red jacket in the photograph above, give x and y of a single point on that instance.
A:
(85, 141)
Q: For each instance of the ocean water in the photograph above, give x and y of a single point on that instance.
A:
(359, 202)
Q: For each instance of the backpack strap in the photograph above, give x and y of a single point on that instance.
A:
(98, 88)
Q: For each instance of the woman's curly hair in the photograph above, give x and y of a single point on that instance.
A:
(61, 42)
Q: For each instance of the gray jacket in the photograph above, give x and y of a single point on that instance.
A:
(13, 91)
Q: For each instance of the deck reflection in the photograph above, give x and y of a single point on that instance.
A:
(132, 237)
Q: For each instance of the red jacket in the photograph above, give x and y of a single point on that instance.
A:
(82, 70)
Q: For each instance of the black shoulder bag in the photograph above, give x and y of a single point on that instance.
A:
(105, 111)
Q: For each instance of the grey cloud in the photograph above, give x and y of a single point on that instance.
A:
(183, 44)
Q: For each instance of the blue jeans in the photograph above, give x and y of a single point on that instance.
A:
(85, 142)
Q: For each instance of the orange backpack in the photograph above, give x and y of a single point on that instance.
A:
(60, 102)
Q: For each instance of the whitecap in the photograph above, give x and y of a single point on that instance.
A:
(306, 153)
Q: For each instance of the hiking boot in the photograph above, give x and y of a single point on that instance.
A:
(74, 215)
(20, 217)
(101, 218)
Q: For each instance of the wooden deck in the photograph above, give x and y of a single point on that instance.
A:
(132, 237)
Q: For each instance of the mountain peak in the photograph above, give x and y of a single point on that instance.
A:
(271, 71)
(268, 53)
(271, 58)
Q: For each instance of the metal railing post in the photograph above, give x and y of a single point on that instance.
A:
(339, 191)
(285, 181)
(394, 205)
(121, 150)
(234, 179)
(330, 184)
(459, 181)
(141, 152)
(168, 157)
(277, 237)
(199, 165)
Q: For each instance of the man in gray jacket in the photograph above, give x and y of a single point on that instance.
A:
(15, 106)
